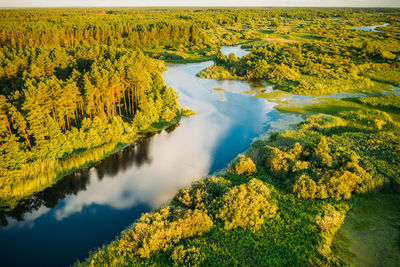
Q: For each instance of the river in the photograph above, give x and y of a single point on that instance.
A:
(91, 207)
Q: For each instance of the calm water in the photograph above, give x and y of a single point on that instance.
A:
(371, 28)
(81, 212)
(237, 50)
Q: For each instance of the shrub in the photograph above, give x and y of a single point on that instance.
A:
(305, 187)
(277, 161)
(370, 119)
(323, 123)
(216, 72)
(321, 152)
(160, 230)
(245, 205)
(329, 223)
(330, 219)
(201, 193)
(242, 165)
(187, 257)
(320, 169)
(340, 185)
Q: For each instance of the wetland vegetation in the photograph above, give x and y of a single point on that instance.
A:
(80, 84)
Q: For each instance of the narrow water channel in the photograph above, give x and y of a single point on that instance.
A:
(81, 212)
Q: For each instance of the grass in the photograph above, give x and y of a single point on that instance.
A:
(46, 173)
(190, 60)
(330, 106)
(373, 225)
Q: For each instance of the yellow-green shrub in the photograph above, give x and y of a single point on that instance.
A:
(329, 223)
(187, 257)
(330, 219)
(160, 230)
(201, 193)
(320, 168)
(245, 205)
(242, 165)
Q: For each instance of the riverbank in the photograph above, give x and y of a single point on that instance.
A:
(54, 171)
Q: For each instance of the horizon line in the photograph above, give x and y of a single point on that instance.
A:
(181, 6)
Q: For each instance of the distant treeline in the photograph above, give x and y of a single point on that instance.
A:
(144, 28)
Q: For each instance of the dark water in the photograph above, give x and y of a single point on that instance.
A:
(81, 212)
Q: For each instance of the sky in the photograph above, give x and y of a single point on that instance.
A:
(268, 3)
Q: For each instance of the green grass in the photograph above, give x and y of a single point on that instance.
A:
(373, 226)
(190, 60)
(330, 106)
(187, 112)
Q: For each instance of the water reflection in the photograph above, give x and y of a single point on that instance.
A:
(371, 28)
(237, 50)
(40, 203)
(396, 90)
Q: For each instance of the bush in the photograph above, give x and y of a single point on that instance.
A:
(277, 161)
(160, 230)
(320, 168)
(368, 119)
(323, 123)
(242, 165)
(187, 257)
(330, 219)
(329, 223)
(305, 187)
(201, 193)
(245, 205)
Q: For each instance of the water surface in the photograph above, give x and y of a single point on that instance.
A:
(371, 28)
(237, 50)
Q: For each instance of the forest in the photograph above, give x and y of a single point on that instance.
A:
(79, 84)
(62, 107)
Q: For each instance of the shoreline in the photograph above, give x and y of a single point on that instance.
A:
(8, 204)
